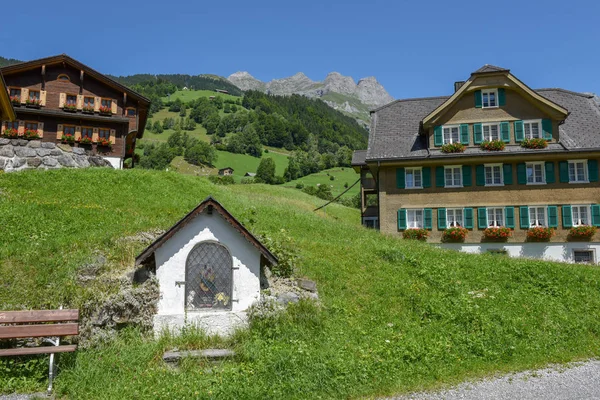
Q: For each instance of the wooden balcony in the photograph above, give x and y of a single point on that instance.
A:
(368, 183)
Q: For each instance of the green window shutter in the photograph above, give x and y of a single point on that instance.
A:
(567, 219)
(552, 216)
(477, 134)
(468, 215)
(501, 97)
(595, 214)
(550, 178)
(438, 137)
(509, 217)
(482, 218)
(464, 134)
(563, 171)
(519, 131)
(507, 172)
(505, 132)
(402, 219)
(439, 177)
(478, 100)
(467, 172)
(441, 218)
(426, 172)
(593, 170)
(400, 178)
(427, 218)
(524, 217)
(480, 175)
(547, 128)
(521, 174)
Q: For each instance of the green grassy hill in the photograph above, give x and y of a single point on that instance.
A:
(396, 316)
(189, 95)
(341, 177)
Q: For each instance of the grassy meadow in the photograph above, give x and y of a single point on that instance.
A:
(189, 95)
(395, 315)
(341, 175)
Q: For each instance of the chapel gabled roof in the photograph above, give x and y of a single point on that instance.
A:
(490, 68)
(213, 206)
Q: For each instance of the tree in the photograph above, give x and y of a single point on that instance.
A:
(182, 110)
(176, 105)
(211, 123)
(157, 157)
(344, 156)
(227, 108)
(157, 128)
(265, 172)
(201, 153)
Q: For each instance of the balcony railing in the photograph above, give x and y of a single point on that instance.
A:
(368, 183)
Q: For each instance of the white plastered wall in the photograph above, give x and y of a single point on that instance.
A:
(171, 259)
(116, 162)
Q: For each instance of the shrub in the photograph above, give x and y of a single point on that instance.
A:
(283, 247)
(534, 143)
(416, 234)
(247, 180)
(539, 234)
(583, 232)
(455, 234)
(299, 185)
(331, 178)
(221, 180)
(493, 145)
(200, 153)
(500, 233)
(453, 148)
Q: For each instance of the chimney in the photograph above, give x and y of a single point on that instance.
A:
(458, 85)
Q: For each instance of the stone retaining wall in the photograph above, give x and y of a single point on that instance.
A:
(19, 154)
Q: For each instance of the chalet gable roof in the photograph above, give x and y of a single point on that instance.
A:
(6, 109)
(211, 205)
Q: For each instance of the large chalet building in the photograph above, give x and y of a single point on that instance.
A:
(58, 99)
(497, 159)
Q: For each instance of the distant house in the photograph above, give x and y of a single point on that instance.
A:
(185, 88)
(250, 174)
(211, 97)
(221, 91)
(226, 171)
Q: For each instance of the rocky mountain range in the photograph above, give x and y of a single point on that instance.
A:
(339, 91)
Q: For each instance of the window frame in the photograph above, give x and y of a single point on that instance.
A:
(542, 169)
(61, 76)
(36, 123)
(502, 218)
(593, 258)
(450, 127)
(65, 126)
(488, 92)
(416, 220)
(545, 212)
(67, 95)
(453, 168)
(100, 133)
(413, 169)
(93, 101)
(39, 95)
(454, 211)
(11, 125)
(131, 109)
(588, 214)
(489, 125)
(585, 170)
(531, 121)
(83, 128)
(102, 99)
(500, 166)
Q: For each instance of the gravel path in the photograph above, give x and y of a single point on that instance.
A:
(576, 381)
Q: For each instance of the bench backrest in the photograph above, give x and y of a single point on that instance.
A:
(38, 323)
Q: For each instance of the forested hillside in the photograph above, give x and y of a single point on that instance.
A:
(8, 61)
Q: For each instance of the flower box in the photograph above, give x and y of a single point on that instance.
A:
(70, 107)
(455, 235)
(15, 100)
(88, 110)
(105, 110)
(534, 143)
(540, 234)
(583, 232)
(497, 234)
(492, 145)
(33, 103)
(416, 234)
(104, 143)
(453, 148)
(31, 134)
(85, 140)
(68, 138)
(11, 133)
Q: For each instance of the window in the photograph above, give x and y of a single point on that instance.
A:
(371, 222)
(104, 133)
(491, 131)
(535, 173)
(15, 92)
(413, 178)
(87, 132)
(453, 176)
(64, 78)
(31, 126)
(493, 175)
(131, 112)
(88, 102)
(537, 216)
(209, 277)
(580, 215)
(495, 217)
(584, 256)
(489, 98)
(532, 129)
(414, 219)
(71, 100)
(578, 171)
(451, 134)
(454, 217)
(106, 103)
(69, 130)
(34, 95)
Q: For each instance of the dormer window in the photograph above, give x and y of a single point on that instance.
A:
(491, 132)
(451, 134)
(489, 98)
(532, 129)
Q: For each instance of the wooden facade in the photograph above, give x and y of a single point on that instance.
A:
(63, 100)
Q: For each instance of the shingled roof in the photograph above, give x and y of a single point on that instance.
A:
(490, 68)
(396, 127)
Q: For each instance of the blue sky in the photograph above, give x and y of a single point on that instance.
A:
(414, 48)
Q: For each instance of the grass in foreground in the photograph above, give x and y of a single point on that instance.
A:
(396, 316)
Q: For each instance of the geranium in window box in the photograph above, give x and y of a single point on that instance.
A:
(68, 138)
(11, 133)
(416, 234)
(540, 234)
(31, 134)
(88, 109)
(455, 235)
(104, 142)
(582, 232)
(105, 110)
(497, 233)
(85, 140)
(536, 143)
(33, 103)
(492, 145)
(15, 100)
(453, 148)
(70, 107)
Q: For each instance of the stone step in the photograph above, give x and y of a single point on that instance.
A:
(212, 355)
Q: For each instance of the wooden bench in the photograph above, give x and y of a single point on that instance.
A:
(49, 324)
